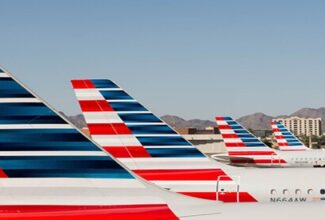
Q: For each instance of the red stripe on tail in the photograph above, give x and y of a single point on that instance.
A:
(127, 152)
(82, 84)
(95, 106)
(238, 144)
(230, 136)
(3, 174)
(114, 128)
(224, 127)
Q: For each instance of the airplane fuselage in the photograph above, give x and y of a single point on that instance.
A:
(307, 158)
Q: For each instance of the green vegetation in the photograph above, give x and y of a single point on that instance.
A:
(317, 142)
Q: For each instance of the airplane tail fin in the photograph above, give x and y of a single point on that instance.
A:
(241, 143)
(109, 110)
(40, 150)
(286, 140)
(29, 126)
(147, 145)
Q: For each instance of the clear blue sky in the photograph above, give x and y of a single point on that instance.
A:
(195, 59)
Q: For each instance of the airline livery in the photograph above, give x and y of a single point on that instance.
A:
(285, 139)
(245, 149)
(152, 150)
(49, 170)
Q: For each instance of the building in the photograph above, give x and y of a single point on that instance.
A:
(302, 126)
(262, 133)
(208, 140)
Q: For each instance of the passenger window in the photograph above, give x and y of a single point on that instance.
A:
(322, 191)
(310, 191)
(273, 191)
(298, 191)
(285, 192)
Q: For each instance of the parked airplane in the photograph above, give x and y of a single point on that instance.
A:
(245, 149)
(49, 170)
(152, 150)
(285, 139)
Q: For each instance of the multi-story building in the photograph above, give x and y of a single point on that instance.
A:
(208, 140)
(302, 126)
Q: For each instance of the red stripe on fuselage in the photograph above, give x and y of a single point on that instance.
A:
(127, 152)
(232, 197)
(250, 153)
(224, 197)
(180, 174)
(120, 212)
(257, 161)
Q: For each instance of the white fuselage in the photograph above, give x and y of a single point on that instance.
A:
(264, 185)
(307, 158)
(304, 158)
(71, 192)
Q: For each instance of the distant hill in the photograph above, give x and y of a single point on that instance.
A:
(77, 120)
(178, 122)
(260, 121)
(256, 121)
(310, 112)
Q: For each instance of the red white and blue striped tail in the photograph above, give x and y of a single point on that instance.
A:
(243, 146)
(49, 170)
(286, 140)
(144, 143)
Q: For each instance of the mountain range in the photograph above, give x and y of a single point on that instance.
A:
(256, 121)
(261, 121)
